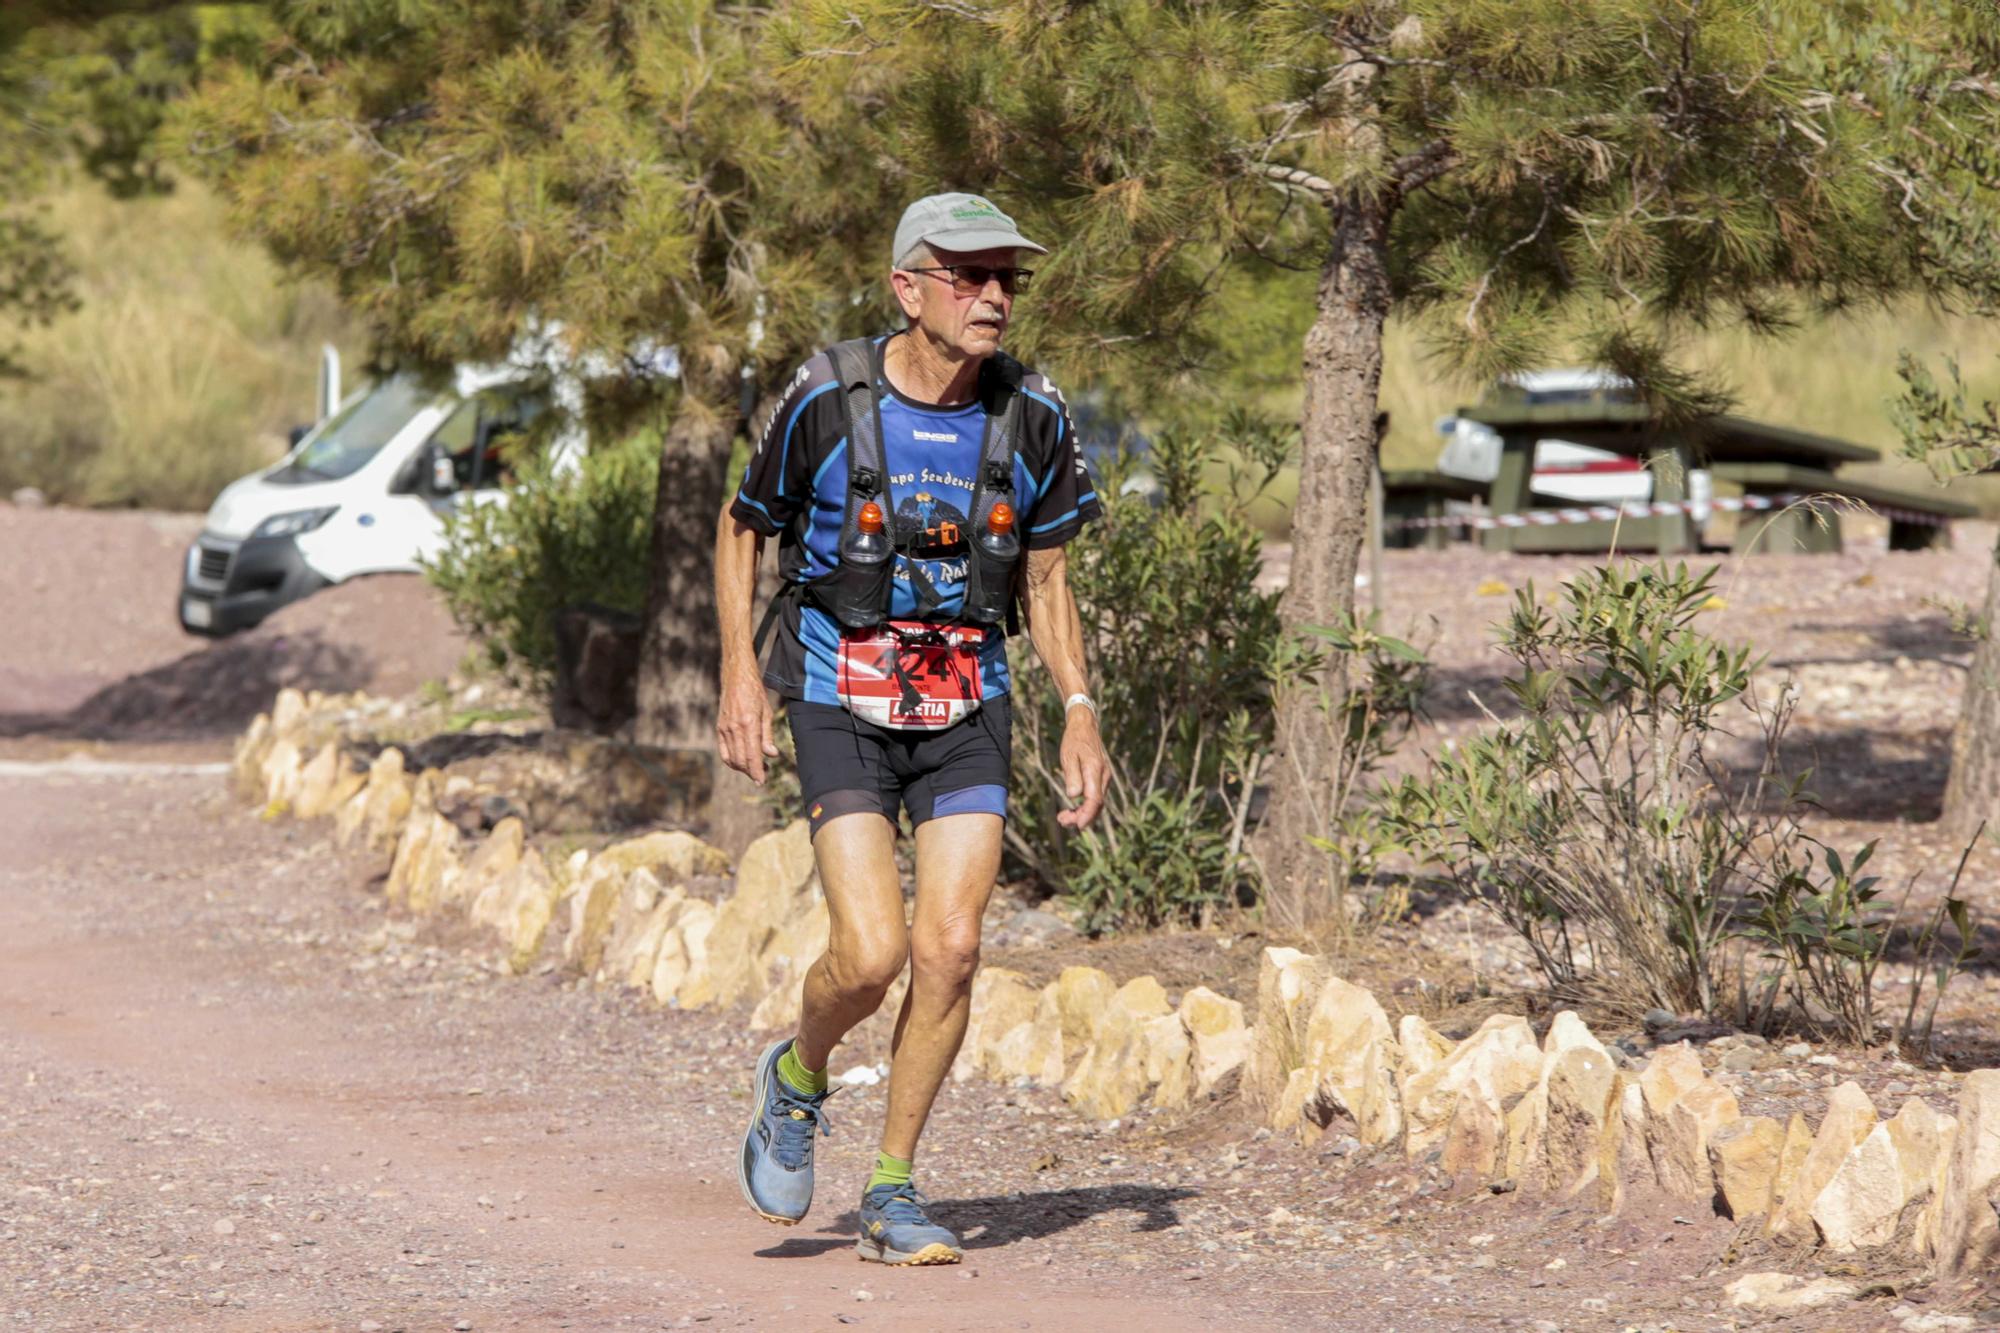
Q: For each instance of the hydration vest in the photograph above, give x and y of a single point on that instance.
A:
(856, 593)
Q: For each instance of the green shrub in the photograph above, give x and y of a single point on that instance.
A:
(1179, 639)
(1601, 825)
(555, 541)
(1643, 866)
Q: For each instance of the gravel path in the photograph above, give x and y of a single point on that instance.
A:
(235, 1094)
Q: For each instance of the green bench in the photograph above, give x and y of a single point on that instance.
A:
(1409, 494)
(1917, 520)
(1761, 458)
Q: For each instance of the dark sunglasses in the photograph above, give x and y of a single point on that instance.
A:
(971, 279)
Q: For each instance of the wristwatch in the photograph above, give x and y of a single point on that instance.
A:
(1080, 698)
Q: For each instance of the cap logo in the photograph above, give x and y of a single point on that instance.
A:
(978, 208)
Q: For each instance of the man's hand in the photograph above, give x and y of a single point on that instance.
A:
(1086, 769)
(743, 726)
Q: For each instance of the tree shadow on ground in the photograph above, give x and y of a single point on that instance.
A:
(1005, 1219)
(214, 690)
(1930, 636)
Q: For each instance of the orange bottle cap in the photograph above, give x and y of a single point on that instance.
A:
(870, 518)
(1002, 518)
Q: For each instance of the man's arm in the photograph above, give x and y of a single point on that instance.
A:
(743, 717)
(1057, 633)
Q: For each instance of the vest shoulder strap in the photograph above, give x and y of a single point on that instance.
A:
(854, 366)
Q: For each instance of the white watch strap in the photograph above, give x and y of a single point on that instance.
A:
(1080, 698)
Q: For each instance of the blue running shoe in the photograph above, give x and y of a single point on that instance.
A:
(775, 1168)
(895, 1229)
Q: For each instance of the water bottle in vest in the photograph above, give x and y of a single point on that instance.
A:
(871, 544)
(986, 595)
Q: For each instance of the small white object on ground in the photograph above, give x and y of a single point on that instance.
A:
(861, 1076)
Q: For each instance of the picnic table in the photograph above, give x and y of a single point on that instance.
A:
(1755, 460)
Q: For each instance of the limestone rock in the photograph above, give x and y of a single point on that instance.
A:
(287, 711)
(1347, 1067)
(246, 760)
(279, 773)
(1033, 1050)
(1288, 983)
(1744, 1157)
(774, 916)
(1475, 1138)
(519, 904)
(680, 966)
(1143, 997)
(1786, 1293)
(1925, 1235)
(1683, 1107)
(600, 909)
(1110, 1078)
(639, 924)
(427, 855)
(1170, 1065)
(1671, 1072)
(1680, 1139)
(1879, 1179)
(491, 862)
(1082, 997)
(1622, 1159)
(1526, 1158)
(1121, 1064)
(1849, 1117)
(384, 803)
(1216, 1030)
(1496, 1064)
(1580, 1099)
(1968, 1230)
(1423, 1046)
(1002, 1000)
(325, 783)
(1791, 1164)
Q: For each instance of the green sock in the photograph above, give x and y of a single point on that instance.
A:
(889, 1171)
(797, 1077)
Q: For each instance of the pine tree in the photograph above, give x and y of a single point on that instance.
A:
(1957, 439)
(1521, 178)
(623, 170)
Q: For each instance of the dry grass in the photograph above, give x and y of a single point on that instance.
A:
(190, 357)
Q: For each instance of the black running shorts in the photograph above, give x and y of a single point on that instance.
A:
(848, 765)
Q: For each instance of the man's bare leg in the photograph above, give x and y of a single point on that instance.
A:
(958, 858)
(867, 943)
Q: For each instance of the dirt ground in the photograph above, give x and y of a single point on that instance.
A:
(235, 1093)
(95, 653)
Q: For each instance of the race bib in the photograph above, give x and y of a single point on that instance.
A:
(910, 675)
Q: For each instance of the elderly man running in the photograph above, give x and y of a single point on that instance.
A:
(922, 482)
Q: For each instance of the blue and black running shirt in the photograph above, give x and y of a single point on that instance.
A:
(796, 485)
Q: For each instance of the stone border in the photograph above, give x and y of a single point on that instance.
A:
(1555, 1118)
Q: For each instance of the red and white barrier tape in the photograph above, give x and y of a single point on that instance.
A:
(1543, 518)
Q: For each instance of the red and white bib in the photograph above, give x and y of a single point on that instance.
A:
(911, 675)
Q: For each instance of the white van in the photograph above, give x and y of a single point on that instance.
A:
(369, 489)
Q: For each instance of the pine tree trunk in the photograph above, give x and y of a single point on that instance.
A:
(1343, 373)
(680, 658)
(1972, 794)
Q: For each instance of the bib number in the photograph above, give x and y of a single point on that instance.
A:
(909, 675)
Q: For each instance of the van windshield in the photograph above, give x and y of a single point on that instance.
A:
(358, 431)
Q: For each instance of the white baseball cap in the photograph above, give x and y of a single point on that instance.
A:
(960, 223)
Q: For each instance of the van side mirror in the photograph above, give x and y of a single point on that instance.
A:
(295, 434)
(444, 479)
